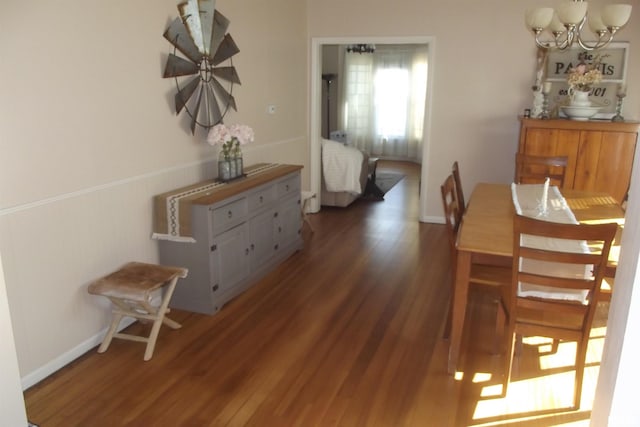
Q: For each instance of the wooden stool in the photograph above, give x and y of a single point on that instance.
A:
(129, 289)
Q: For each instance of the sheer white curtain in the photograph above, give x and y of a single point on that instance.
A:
(384, 100)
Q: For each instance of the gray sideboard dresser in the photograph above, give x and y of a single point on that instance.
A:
(228, 235)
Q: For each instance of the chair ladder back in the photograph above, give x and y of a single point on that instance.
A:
(534, 169)
(455, 170)
(539, 313)
(452, 211)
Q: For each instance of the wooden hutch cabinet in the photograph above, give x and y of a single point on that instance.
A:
(599, 154)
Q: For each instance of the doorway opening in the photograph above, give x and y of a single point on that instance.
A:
(404, 135)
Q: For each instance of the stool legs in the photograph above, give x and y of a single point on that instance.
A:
(141, 310)
(117, 317)
(160, 319)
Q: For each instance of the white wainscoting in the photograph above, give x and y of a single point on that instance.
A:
(52, 249)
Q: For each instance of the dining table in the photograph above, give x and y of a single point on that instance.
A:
(486, 233)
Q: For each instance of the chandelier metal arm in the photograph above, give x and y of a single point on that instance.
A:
(573, 33)
(601, 42)
(557, 43)
(567, 34)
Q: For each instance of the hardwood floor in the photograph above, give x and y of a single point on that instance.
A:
(346, 332)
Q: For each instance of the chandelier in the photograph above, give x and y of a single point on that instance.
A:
(361, 48)
(566, 24)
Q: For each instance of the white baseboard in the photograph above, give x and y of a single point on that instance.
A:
(432, 219)
(64, 359)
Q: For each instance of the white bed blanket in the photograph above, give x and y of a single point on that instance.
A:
(341, 167)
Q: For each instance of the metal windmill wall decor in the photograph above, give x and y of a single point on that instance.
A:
(205, 76)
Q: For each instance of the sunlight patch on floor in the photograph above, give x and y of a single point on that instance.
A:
(481, 377)
(536, 393)
(523, 396)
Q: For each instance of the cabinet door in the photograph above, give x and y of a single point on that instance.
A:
(230, 258)
(263, 242)
(289, 221)
(604, 162)
(555, 142)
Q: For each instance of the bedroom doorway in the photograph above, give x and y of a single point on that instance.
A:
(330, 105)
(373, 98)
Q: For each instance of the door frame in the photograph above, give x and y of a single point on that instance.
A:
(315, 110)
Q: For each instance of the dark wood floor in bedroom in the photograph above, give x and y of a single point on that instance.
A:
(346, 332)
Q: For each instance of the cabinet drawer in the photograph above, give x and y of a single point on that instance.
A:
(229, 215)
(288, 186)
(262, 198)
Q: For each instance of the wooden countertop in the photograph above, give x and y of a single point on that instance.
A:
(626, 126)
(172, 209)
(243, 184)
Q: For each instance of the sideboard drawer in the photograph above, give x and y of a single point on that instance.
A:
(229, 215)
(262, 197)
(289, 186)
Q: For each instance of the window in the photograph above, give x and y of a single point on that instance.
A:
(384, 102)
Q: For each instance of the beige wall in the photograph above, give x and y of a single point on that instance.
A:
(88, 135)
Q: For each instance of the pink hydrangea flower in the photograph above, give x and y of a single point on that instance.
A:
(229, 138)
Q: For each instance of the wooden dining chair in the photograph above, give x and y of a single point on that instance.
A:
(534, 169)
(567, 275)
(489, 276)
(455, 171)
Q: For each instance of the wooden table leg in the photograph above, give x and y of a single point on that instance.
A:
(459, 306)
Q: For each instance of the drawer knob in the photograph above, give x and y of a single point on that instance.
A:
(286, 187)
(229, 214)
(260, 199)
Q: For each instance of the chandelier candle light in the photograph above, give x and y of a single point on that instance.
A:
(566, 23)
(230, 138)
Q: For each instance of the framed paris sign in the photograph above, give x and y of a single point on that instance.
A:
(613, 65)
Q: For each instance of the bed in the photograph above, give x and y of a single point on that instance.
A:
(344, 174)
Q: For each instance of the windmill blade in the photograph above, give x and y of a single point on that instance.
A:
(177, 66)
(224, 95)
(207, 10)
(220, 26)
(227, 49)
(179, 37)
(214, 112)
(185, 93)
(194, 115)
(227, 73)
(191, 17)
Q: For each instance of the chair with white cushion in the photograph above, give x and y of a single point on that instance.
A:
(557, 273)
